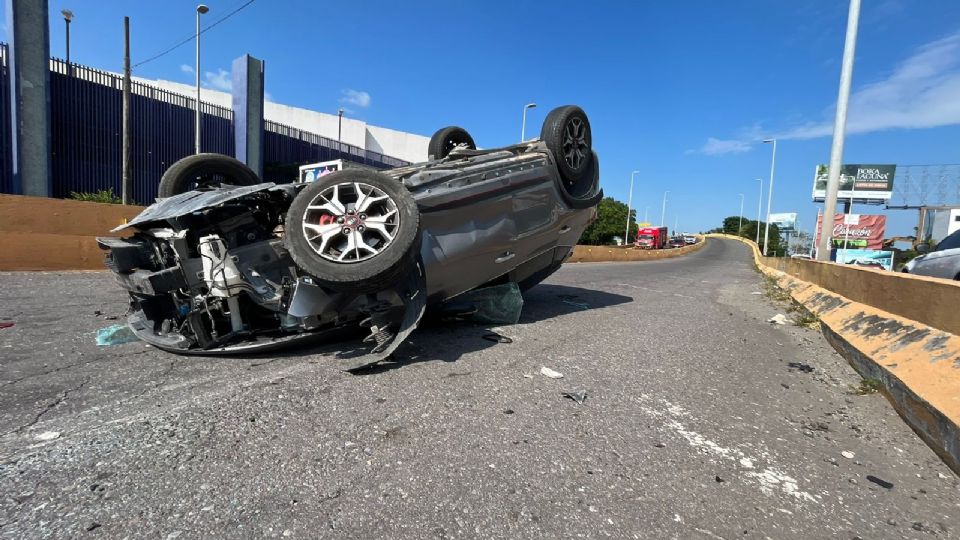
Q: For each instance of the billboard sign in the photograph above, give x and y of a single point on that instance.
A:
(786, 222)
(864, 231)
(309, 173)
(868, 258)
(862, 183)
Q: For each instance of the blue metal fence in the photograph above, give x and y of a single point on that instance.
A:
(6, 156)
(86, 113)
(86, 116)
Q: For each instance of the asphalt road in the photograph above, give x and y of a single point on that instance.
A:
(701, 420)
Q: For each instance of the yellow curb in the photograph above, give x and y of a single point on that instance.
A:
(917, 365)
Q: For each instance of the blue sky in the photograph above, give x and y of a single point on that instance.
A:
(681, 91)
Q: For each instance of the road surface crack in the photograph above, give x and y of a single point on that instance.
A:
(53, 405)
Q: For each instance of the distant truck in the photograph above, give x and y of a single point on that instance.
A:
(652, 238)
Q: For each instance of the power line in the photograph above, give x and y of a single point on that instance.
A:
(194, 36)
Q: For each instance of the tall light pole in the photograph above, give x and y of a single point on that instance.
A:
(339, 123)
(523, 125)
(839, 130)
(626, 235)
(740, 224)
(759, 208)
(663, 211)
(67, 17)
(201, 9)
(773, 163)
(646, 213)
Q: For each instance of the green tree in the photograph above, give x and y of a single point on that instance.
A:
(749, 230)
(611, 220)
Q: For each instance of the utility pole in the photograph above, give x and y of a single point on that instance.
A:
(339, 124)
(759, 209)
(523, 124)
(773, 163)
(740, 224)
(839, 130)
(126, 189)
(201, 9)
(626, 234)
(68, 17)
(663, 211)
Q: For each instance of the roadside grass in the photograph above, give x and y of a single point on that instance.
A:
(801, 316)
(866, 387)
(773, 290)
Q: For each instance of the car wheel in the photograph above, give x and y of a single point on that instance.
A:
(566, 132)
(354, 230)
(205, 171)
(446, 139)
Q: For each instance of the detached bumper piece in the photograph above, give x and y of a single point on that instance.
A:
(126, 254)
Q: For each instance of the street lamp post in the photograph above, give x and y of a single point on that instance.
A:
(626, 234)
(201, 9)
(339, 123)
(663, 211)
(839, 130)
(773, 163)
(523, 125)
(646, 213)
(740, 223)
(67, 17)
(759, 208)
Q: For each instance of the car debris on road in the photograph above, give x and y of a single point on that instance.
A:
(579, 396)
(547, 372)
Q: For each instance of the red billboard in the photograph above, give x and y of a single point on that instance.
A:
(856, 231)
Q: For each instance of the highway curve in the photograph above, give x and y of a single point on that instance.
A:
(701, 420)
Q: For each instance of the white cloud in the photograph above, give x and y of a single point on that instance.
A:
(355, 97)
(921, 92)
(221, 80)
(719, 147)
(187, 68)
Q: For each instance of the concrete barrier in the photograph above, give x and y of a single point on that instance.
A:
(628, 254)
(863, 313)
(55, 234)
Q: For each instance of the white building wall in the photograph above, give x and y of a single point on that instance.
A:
(398, 144)
(386, 141)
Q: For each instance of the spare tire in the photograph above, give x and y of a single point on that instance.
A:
(446, 139)
(354, 230)
(566, 132)
(205, 171)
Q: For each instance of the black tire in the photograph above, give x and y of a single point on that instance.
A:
(370, 275)
(202, 171)
(589, 195)
(566, 132)
(446, 139)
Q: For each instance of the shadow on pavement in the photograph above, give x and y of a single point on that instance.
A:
(447, 341)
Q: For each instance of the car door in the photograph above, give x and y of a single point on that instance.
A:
(944, 261)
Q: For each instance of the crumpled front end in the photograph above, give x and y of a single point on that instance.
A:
(208, 272)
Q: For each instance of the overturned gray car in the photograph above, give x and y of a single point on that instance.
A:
(223, 263)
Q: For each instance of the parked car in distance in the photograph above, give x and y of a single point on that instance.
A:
(942, 262)
(690, 239)
(677, 242)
